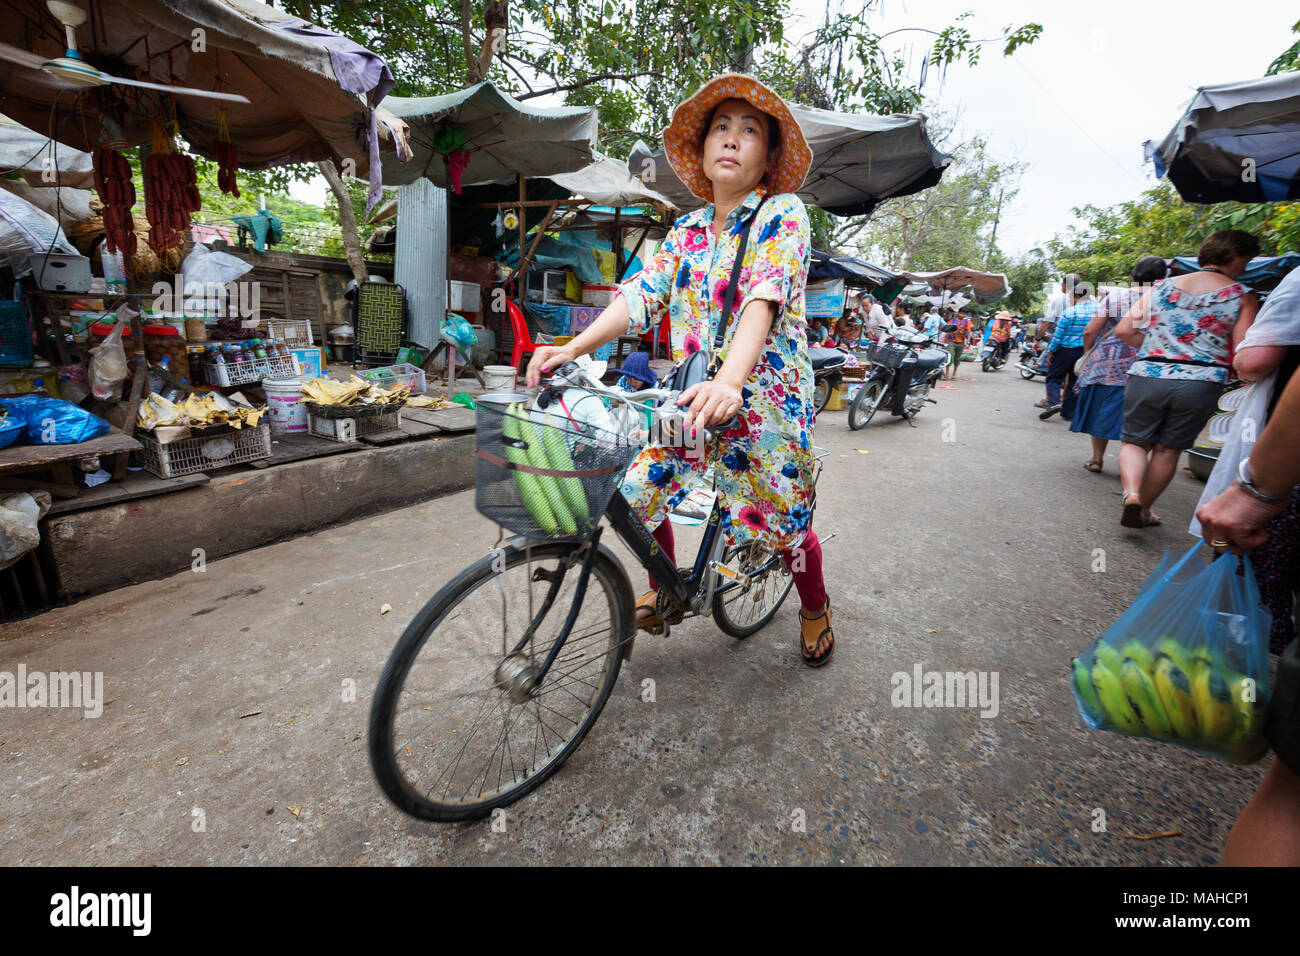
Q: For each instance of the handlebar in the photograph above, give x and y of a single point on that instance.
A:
(573, 374)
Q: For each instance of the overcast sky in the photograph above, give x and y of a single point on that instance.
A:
(1078, 103)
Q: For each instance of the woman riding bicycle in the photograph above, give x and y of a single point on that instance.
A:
(736, 146)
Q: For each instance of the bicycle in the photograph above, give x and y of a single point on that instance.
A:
(521, 703)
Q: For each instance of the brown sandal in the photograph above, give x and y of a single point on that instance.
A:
(1094, 466)
(1131, 517)
(816, 660)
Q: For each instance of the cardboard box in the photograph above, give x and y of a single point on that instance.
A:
(310, 360)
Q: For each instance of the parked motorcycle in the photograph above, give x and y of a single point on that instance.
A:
(904, 368)
(828, 373)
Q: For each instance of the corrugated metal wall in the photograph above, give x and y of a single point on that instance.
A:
(420, 264)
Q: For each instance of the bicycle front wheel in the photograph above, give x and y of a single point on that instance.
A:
(455, 729)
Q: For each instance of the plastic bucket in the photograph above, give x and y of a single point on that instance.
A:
(499, 377)
(285, 409)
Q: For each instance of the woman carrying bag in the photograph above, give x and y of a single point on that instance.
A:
(738, 148)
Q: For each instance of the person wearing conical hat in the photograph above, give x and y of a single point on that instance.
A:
(735, 145)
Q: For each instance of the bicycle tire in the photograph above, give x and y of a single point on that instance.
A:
(859, 419)
(722, 608)
(821, 395)
(606, 573)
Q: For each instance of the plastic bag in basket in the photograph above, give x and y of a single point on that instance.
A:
(1187, 663)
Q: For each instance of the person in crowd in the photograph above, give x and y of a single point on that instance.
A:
(877, 317)
(930, 324)
(998, 332)
(848, 329)
(1100, 410)
(1183, 330)
(818, 334)
(957, 338)
(636, 375)
(1243, 517)
(736, 146)
(1065, 349)
(1267, 359)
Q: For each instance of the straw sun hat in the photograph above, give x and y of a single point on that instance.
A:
(683, 135)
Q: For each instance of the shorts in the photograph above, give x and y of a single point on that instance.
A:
(1168, 411)
(955, 350)
(1283, 726)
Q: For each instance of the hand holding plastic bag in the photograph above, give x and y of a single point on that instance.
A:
(1187, 663)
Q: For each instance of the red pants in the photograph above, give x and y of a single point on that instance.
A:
(808, 582)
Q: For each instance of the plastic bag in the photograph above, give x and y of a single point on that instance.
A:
(20, 515)
(108, 367)
(207, 268)
(52, 421)
(12, 425)
(1187, 663)
(457, 331)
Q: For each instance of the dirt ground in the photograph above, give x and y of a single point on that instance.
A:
(968, 543)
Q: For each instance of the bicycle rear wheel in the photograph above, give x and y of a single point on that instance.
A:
(452, 735)
(741, 612)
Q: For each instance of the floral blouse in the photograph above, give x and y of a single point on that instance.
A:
(1188, 327)
(764, 465)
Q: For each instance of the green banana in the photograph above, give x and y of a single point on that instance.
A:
(1248, 728)
(1175, 652)
(1210, 695)
(1109, 657)
(549, 484)
(1175, 693)
(1141, 693)
(529, 488)
(1084, 690)
(1119, 714)
(557, 453)
(1141, 655)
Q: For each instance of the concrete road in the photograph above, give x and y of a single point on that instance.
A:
(237, 696)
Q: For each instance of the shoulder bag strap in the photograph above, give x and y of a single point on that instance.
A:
(729, 298)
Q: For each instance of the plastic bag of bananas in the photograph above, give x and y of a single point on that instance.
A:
(1187, 663)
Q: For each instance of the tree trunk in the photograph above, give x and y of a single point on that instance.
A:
(471, 61)
(348, 220)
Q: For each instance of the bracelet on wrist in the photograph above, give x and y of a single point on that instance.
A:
(1247, 484)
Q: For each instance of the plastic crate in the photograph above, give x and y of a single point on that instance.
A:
(294, 333)
(205, 452)
(246, 372)
(349, 429)
(390, 375)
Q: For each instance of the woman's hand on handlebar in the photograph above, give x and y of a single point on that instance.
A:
(711, 403)
(546, 359)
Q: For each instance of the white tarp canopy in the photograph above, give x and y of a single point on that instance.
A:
(504, 137)
(987, 286)
(859, 160)
(606, 183)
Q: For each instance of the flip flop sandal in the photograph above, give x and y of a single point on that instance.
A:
(1094, 466)
(1132, 514)
(817, 660)
(1150, 520)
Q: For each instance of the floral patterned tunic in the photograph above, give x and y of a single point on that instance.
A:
(764, 465)
(1192, 328)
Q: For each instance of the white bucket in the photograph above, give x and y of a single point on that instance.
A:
(285, 408)
(499, 377)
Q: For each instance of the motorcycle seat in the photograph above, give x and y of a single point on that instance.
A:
(930, 358)
(826, 358)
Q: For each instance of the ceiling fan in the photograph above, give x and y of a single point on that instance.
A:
(73, 69)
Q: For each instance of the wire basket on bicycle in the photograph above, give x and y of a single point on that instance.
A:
(542, 474)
